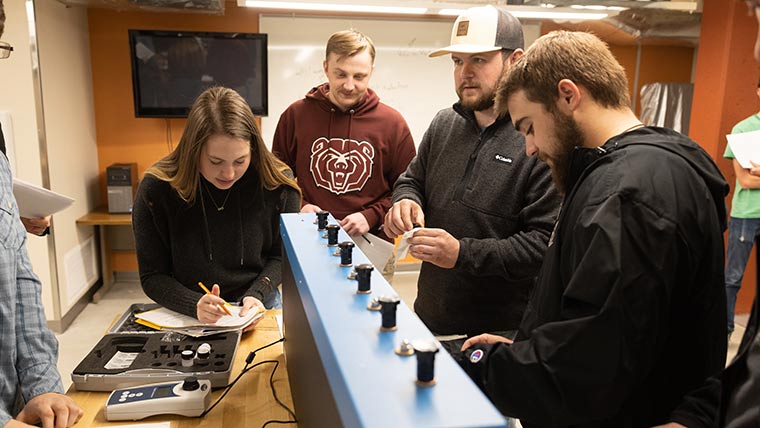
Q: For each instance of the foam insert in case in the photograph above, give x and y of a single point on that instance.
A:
(123, 359)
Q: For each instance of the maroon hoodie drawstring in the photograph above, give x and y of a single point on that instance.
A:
(350, 121)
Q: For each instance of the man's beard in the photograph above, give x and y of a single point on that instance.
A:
(568, 136)
(481, 103)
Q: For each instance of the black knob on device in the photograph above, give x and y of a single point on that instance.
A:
(346, 248)
(425, 351)
(190, 384)
(363, 275)
(388, 306)
(332, 235)
(322, 220)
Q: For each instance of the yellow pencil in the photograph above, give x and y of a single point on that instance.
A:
(224, 308)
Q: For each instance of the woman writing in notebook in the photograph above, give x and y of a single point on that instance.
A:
(209, 212)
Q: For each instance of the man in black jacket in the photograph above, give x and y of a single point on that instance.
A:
(732, 398)
(628, 312)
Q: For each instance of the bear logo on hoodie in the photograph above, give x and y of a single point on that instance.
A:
(341, 165)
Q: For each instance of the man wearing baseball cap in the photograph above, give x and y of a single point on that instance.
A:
(486, 209)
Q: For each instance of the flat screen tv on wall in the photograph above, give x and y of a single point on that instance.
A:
(171, 68)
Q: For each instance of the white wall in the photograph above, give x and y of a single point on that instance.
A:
(64, 47)
(63, 42)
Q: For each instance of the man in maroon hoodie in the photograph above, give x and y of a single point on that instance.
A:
(345, 147)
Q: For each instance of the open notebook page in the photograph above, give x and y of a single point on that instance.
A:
(166, 318)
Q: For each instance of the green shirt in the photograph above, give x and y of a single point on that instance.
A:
(746, 202)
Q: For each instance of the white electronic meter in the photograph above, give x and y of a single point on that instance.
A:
(190, 397)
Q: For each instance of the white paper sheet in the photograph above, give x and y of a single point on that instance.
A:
(377, 250)
(166, 318)
(403, 246)
(278, 318)
(746, 147)
(34, 201)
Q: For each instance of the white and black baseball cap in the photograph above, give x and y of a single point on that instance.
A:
(484, 29)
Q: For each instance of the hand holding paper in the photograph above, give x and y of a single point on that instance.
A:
(162, 318)
(746, 148)
(403, 246)
(34, 201)
(251, 305)
(36, 225)
(404, 215)
(435, 246)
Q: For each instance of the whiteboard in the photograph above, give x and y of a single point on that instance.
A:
(405, 77)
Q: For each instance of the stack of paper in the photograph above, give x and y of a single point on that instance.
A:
(746, 147)
(166, 319)
(35, 201)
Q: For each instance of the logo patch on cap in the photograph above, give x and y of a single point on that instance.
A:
(476, 356)
(462, 28)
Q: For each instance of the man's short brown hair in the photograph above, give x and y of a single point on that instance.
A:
(580, 57)
(348, 43)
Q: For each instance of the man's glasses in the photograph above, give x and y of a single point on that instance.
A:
(5, 50)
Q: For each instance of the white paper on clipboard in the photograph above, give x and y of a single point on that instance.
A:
(746, 147)
(377, 250)
(35, 201)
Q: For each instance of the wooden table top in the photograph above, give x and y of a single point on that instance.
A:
(101, 217)
(249, 403)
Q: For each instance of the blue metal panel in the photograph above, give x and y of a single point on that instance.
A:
(370, 384)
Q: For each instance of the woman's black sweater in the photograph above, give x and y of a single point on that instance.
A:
(237, 247)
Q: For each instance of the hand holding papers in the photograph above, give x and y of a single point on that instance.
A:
(746, 147)
(403, 246)
(166, 319)
(35, 201)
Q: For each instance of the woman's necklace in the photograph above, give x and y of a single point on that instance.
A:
(218, 207)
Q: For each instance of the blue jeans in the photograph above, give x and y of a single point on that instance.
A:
(741, 237)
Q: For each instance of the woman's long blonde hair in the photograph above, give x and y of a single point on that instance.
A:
(222, 111)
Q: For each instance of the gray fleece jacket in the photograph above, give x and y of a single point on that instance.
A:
(481, 187)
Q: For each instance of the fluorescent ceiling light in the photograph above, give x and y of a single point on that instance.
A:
(451, 12)
(332, 7)
(559, 15)
(597, 7)
(397, 7)
(565, 15)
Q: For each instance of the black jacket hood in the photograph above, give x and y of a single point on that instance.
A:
(666, 139)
